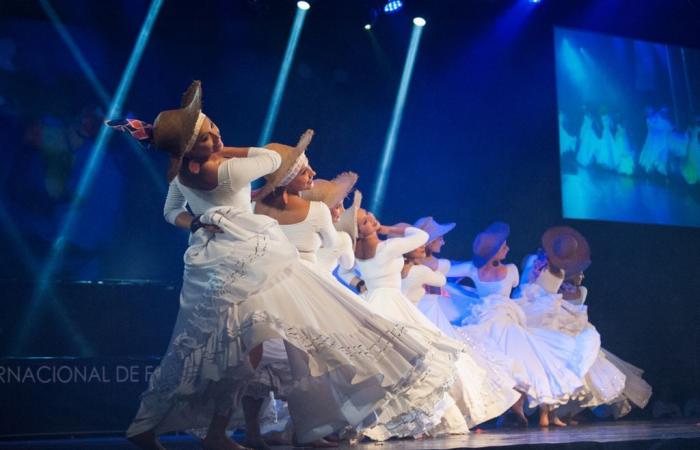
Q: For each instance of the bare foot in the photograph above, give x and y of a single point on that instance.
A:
(544, 419)
(556, 421)
(146, 441)
(572, 422)
(222, 443)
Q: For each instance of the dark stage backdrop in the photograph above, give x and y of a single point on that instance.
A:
(478, 140)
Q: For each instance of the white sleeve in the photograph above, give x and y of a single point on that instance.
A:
(411, 240)
(461, 269)
(174, 202)
(444, 266)
(434, 278)
(259, 162)
(346, 255)
(324, 224)
(516, 276)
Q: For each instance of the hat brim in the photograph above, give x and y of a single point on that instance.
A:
(348, 220)
(500, 231)
(441, 231)
(579, 261)
(289, 157)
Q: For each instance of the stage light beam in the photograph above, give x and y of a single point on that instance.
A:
(53, 261)
(101, 92)
(283, 75)
(393, 131)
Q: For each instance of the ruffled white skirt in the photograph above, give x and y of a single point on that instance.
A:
(553, 362)
(246, 286)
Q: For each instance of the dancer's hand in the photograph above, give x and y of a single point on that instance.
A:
(398, 229)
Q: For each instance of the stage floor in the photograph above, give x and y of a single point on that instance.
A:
(632, 435)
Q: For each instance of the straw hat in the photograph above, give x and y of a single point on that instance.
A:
(291, 157)
(175, 130)
(567, 249)
(348, 220)
(331, 192)
(488, 242)
(434, 229)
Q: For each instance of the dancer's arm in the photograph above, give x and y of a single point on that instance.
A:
(174, 209)
(346, 258)
(434, 278)
(259, 162)
(411, 240)
(324, 224)
(461, 269)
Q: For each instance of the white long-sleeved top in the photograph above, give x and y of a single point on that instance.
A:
(312, 233)
(233, 188)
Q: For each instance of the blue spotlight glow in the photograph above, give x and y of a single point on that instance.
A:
(101, 92)
(419, 21)
(535, 1)
(53, 262)
(393, 6)
(368, 27)
(393, 131)
(277, 94)
(303, 5)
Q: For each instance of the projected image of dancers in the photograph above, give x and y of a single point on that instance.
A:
(628, 129)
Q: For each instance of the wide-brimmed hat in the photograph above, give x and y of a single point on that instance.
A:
(566, 249)
(348, 220)
(292, 159)
(331, 192)
(434, 229)
(175, 130)
(488, 242)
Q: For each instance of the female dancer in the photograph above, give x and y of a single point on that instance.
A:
(478, 397)
(552, 361)
(566, 252)
(244, 286)
(308, 225)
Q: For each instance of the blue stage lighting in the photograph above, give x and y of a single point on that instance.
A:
(535, 1)
(393, 131)
(419, 21)
(393, 6)
(303, 5)
(53, 261)
(368, 27)
(277, 94)
(155, 175)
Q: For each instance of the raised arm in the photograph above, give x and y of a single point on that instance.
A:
(411, 240)
(323, 223)
(461, 269)
(432, 277)
(241, 171)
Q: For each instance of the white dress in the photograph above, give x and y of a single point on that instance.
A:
(603, 381)
(382, 274)
(245, 286)
(624, 153)
(545, 308)
(605, 155)
(589, 142)
(497, 392)
(552, 361)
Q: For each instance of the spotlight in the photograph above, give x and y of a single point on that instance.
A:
(393, 6)
(303, 5)
(368, 26)
(535, 1)
(419, 21)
